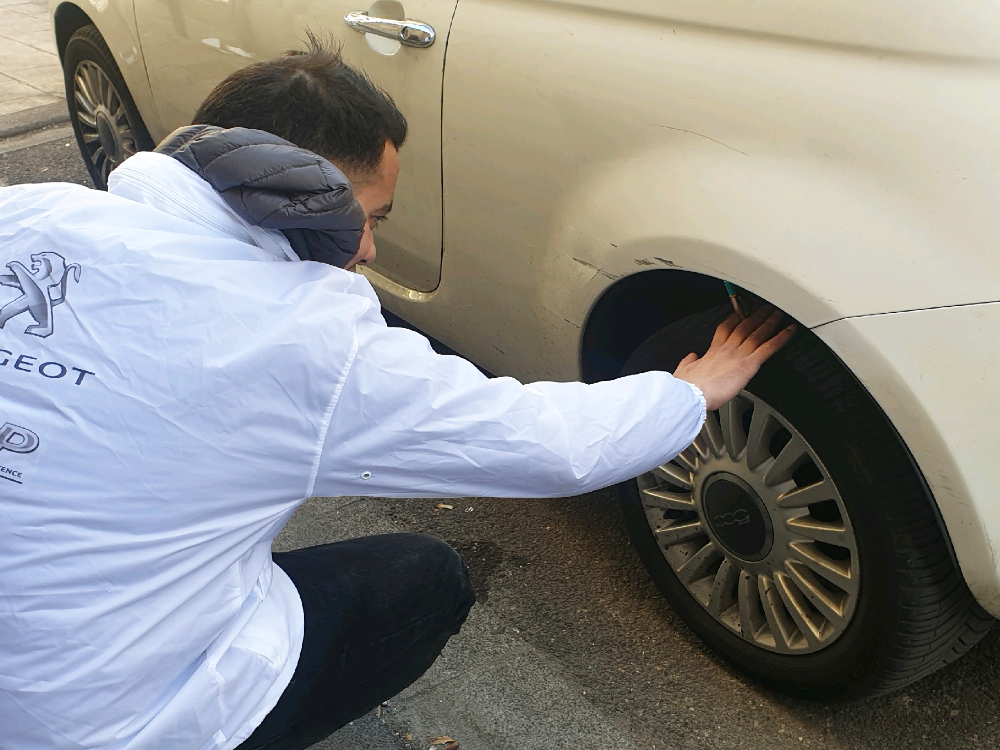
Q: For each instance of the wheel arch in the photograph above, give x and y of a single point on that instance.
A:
(115, 21)
(633, 309)
(67, 20)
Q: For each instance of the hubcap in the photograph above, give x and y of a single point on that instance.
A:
(753, 526)
(736, 517)
(107, 137)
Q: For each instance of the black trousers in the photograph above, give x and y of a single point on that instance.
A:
(378, 612)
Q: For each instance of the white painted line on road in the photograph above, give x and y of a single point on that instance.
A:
(37, 138)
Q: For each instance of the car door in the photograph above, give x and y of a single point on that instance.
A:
(190, 45)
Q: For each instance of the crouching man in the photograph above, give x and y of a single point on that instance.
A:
(206, 362)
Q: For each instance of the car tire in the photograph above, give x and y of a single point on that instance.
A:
(895, 609)
(107, 124)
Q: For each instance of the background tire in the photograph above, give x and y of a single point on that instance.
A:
(908, 611)
(107, 124)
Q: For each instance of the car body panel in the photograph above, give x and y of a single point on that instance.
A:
(935, 373)
(190, 45)
(910, 27)
(760, 161)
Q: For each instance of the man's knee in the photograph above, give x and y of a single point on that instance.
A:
(438, 558)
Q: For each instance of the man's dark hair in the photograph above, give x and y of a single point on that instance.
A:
(313, 99)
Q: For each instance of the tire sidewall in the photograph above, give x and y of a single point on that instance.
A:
(82, 46)
(830, 411)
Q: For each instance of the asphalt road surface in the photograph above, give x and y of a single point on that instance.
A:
(55, 159)
(572, 647)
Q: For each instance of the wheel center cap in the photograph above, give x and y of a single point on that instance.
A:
(106, 135)
(737, 517)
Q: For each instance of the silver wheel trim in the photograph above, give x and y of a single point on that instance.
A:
(108, 139)
(800, 597)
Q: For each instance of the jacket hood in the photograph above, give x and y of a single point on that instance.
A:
(274, 184)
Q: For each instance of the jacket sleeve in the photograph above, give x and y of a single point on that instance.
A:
(409, 422)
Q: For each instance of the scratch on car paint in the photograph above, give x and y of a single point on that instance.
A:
(575, 325)
(666, 262)
(644, 262)
(702, 135)
(598, 271)
(499, 349)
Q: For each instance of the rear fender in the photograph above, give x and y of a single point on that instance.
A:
(934, 373)
(820, 243)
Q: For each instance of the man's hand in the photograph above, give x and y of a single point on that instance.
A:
(738, 349)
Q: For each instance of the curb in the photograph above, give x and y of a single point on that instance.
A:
(33, 119)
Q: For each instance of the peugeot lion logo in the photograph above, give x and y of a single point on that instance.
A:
(42, 288)
(17, 439)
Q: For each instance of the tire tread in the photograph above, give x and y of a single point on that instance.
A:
(937, 618)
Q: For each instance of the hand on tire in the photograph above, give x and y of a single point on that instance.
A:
(738, 349)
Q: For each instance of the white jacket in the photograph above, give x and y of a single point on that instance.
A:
(171, 389)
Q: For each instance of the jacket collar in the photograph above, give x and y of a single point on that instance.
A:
(167, 185)
(271, 183)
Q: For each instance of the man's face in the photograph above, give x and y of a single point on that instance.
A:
(374, 192)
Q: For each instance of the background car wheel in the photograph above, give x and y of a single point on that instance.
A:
(796, 536)
(105, 119)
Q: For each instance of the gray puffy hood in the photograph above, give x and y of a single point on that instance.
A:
(274, 184)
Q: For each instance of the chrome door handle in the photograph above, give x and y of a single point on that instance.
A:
(410, 33)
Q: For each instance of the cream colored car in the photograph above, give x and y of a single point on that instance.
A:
(580, 179)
